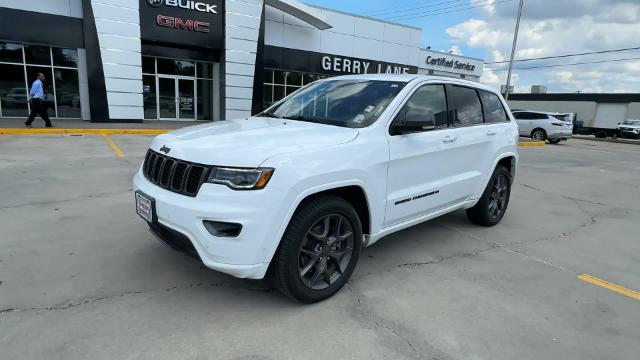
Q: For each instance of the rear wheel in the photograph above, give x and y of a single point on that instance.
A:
(319, 250)
(539, 135)
(494, 201)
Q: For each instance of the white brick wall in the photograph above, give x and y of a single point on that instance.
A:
(118, 26)
(241, 36)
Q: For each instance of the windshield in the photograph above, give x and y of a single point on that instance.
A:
(632, 122)
(345, 103)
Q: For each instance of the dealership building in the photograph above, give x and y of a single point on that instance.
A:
(135, 60)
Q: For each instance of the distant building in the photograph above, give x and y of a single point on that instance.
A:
(538, 89)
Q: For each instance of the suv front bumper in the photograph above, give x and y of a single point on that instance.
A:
(180, 219)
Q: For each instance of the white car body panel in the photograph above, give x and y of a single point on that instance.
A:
(526, 126)
(310, 158)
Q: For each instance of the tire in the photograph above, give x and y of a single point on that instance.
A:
(307, 267)
(484, 212)
(555, 141)
(539, 134)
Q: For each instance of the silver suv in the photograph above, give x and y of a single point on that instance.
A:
(543, 126)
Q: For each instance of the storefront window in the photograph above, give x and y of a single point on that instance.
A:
(205, 70)
(278, 84)
(179, 89)
(148, 65)
(176, 67)
(59, 66)
(10, 52)
(149, 96)
(13, 91)
(65, 57)
(35, 54)
(205, 96)
(67, 93)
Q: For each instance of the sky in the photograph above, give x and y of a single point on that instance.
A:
(484, 29)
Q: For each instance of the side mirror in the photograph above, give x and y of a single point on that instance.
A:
(412, 121)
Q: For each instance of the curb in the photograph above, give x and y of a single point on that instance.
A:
(610, 140)
(45, 131)
(531, 143)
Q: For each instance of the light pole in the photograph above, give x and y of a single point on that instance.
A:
(513, 49)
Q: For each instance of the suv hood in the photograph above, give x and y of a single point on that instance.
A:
(248, 142)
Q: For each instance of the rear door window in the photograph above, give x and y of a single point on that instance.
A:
(493, 109)
(464, 106)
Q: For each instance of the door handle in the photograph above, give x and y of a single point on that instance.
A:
(449, 139)
(491, 133)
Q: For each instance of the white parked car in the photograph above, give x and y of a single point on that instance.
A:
(543, 126)
(298, 190)
(630, 128)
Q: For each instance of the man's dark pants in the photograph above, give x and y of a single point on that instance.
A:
(38, 107)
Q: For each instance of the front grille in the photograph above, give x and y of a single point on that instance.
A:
(175, 175)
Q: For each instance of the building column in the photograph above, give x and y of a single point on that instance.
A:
(242, 28)
(117, 26)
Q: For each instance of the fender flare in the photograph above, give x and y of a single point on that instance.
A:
(300, 198)
(509, 154)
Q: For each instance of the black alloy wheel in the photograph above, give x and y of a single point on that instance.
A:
(325, 252)
(494, 200)
(498, 198)
(318, 251)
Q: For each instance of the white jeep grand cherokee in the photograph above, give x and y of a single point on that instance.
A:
(296, 191)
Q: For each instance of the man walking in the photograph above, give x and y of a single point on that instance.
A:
(38, 105)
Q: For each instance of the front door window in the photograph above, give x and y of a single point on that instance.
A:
(167, 98)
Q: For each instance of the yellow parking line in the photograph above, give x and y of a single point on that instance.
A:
(114, 146)
(54, 131)
(531, 143)
(609, 286)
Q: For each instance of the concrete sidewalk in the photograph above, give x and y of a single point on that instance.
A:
(18, 123)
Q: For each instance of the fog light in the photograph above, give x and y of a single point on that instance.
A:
(222, 229)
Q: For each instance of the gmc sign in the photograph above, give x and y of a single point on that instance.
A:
(180, 24)
(191, 23)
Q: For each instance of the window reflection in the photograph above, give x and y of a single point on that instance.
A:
(59, 65)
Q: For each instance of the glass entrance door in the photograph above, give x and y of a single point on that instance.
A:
(176, 98)
(186, 99)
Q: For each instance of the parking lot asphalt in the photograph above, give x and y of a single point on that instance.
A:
(82, 278)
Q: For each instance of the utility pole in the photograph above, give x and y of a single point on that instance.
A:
(513, 49)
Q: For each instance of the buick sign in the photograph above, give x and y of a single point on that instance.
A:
(186, 4)
(192, 23)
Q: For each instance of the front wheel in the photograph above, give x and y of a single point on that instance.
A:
(494, 201)
(318, 251)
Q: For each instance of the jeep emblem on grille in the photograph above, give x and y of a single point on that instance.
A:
(165, 149)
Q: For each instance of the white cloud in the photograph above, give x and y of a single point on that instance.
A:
(557, 27)
(455, 50)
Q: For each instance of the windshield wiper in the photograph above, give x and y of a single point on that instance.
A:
(294, 117)
(269, 114)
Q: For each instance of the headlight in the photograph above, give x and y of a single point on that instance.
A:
(241, 179)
